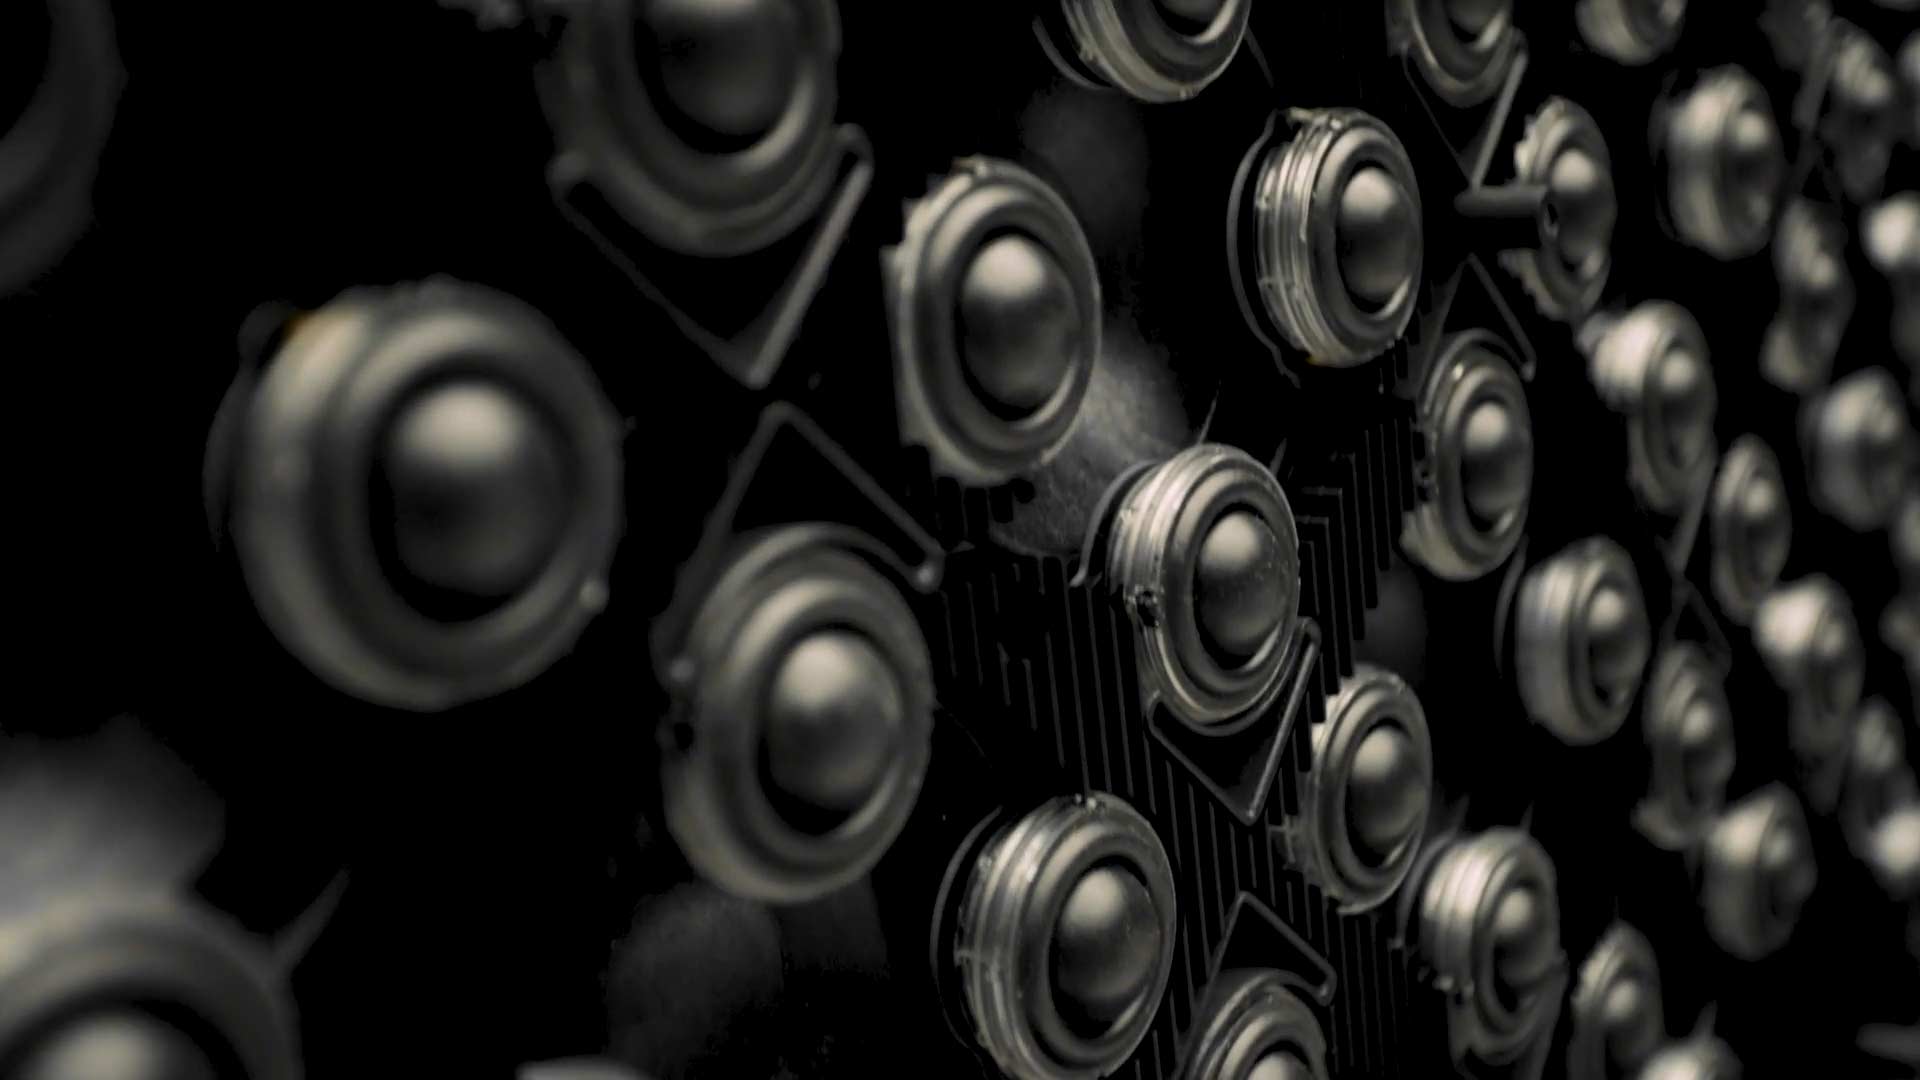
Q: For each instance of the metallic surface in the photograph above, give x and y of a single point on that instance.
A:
(1689, 730)
(1300, 276)
(1694, 1059)
(1016, 891)
(1860, 448)
(1328, 842)
(941, 405)
(1135, 537)
(1759, 873)
(1806, 634)
(1817, 298)
(689, 197)
(1135, 46)
(1749, 525)
(1631, 31)
(1725, 164)
(1159, 531)
(51, 148)
(1462, 62)
(1253, 1019)
(289, 472)
(1564, 283)
(1651, 365)
(1581, 639)
(149, 953)
(1447, 534)
(777, 595)
(1615, 1007)
(1462, 892)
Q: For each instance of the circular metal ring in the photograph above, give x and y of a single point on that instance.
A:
(1442, 533)
(153, 954)
(1252, 1017)
(1806, 635)
(308, 442)
(1132, 45)
(1877, 777)
(1890, 236)
(1369, 700)
(1018, 889)
(1553, 649)
(1460, 896)
(1462, 68)
(1710, 139)
(1862, 117)
(694, 199)
(1158, 534)
(1690, 746)
(1670, 450)
(984, 200)
(1561, 290)
(52, 147)
(1816, 297)
(777, 592)
(1297, 253)
(1631, 32)
(1611, 1037)
(1890, 854)
(1860, 448)
(1750, 525)
(1759, 873)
